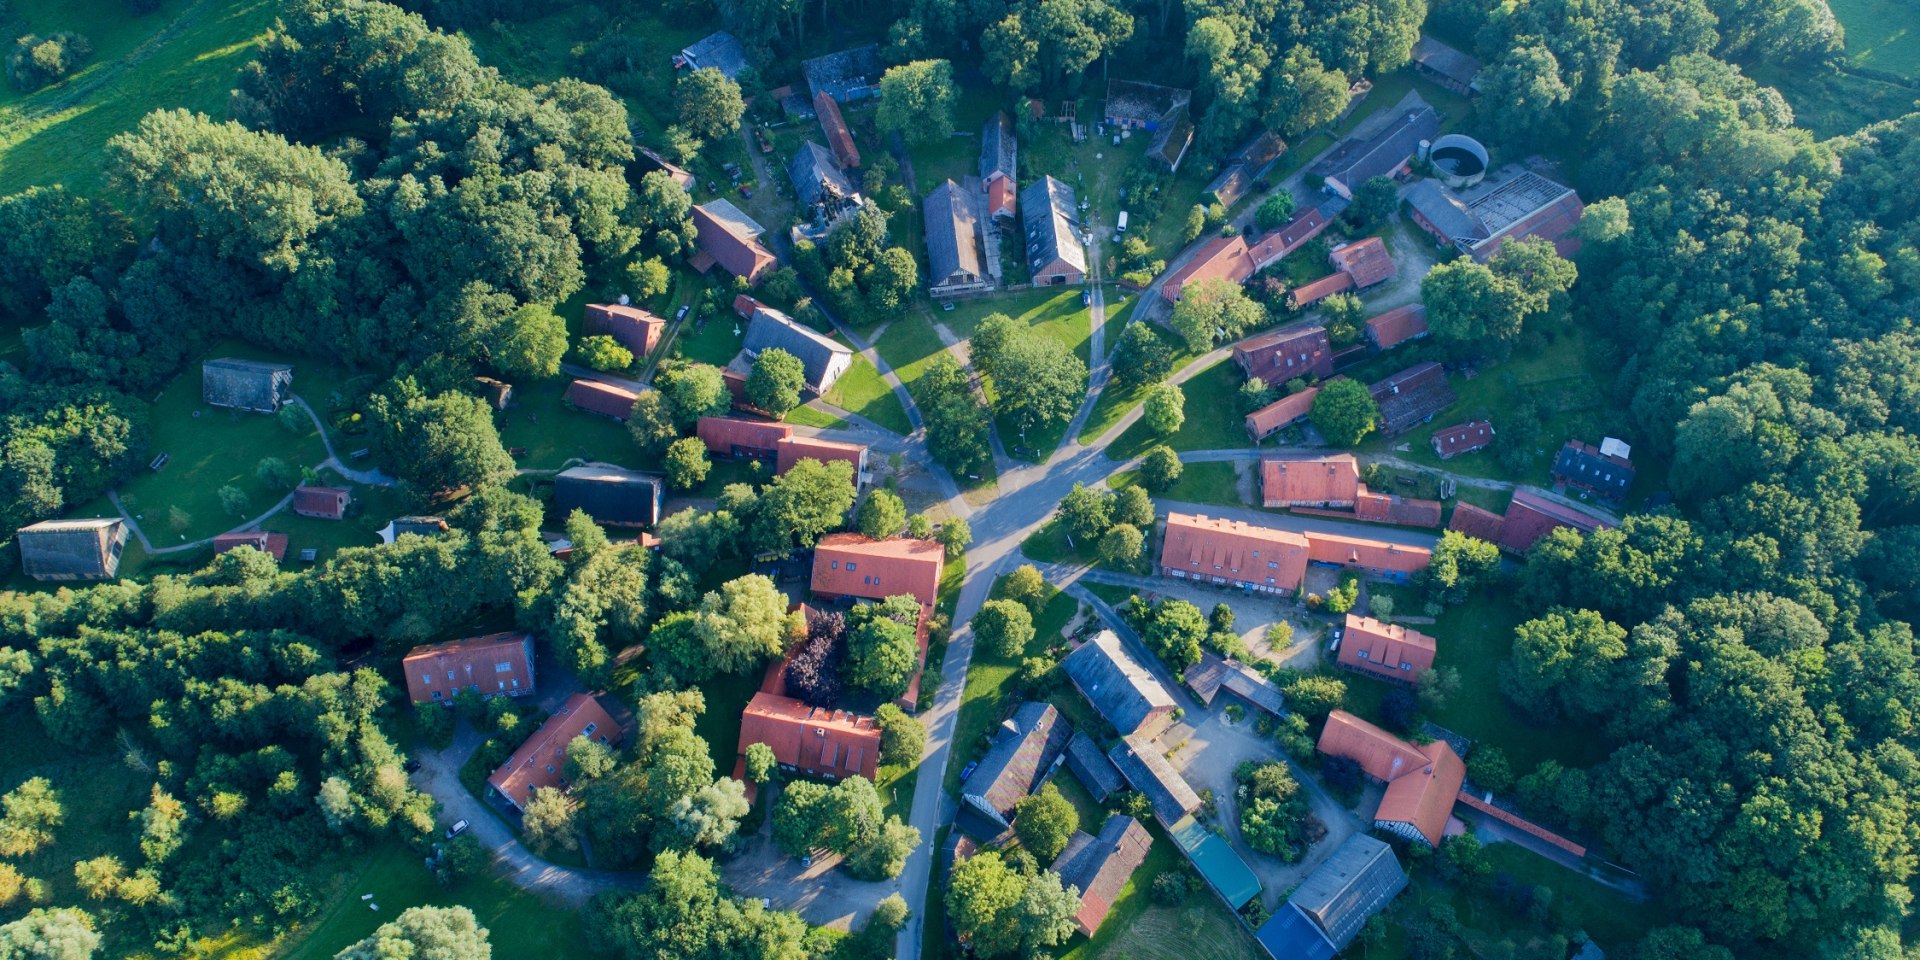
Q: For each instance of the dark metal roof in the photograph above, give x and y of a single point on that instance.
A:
(999, 148)
(816, 351)
(1120, 689)
(817, 177)
(1354, 883)
(845, 75)
(1356, 161)
(238, 384)
(953, 234)
(71, 549)
(721, 51)
(1440, 207)
(609, 495)
(1049, 211)
(1150, 773)
(1092, 768)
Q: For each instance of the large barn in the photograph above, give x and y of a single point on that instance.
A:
(256, 386)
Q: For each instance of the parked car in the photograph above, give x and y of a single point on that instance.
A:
(457, 829)
(968, 772)
(682, 314)
(746, 191)
(1086, 298)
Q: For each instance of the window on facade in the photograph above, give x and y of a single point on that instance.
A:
(1362, 654)
(1405, 665)
(449, 674)
(426, 678)
(503, 668)
(587, 731)
(833, 565)
(436, 694)
(851, 566)
(1273, 564)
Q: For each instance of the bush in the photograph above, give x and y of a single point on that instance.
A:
(604, 353)
(1170, 888)
(37, 61)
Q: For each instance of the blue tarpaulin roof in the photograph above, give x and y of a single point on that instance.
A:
(1223, 869)
(1289, 935)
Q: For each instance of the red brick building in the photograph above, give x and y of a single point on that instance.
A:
(1387, 651)
(542, 760)
(494, 665)
(854, 565)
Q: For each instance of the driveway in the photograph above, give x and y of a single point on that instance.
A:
(822, 893)
(1211, 746)
(439, 777)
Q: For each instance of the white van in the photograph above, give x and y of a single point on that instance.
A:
(1120, 226)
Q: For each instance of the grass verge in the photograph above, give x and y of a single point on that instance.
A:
(1211, 422)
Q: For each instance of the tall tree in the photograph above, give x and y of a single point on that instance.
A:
(425, 933)
(917, 101)
(709, 102)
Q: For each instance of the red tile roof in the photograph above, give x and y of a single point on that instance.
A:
(1475, 522)
(497, 663)
(1397, 326)
(838, 136)
(1531, 516)
(604, 399)
(1101, 865)
(1367, 261)
(1450, 442)
(1281, 355)
(1308, 294)
(855, 565)
(745, 305)
(792, 450)
(1373, 555)
(1221, 258)
(635, 329)
(326, 503)
(1290, 236)
(1281, 413)
(1207, 548)
(1387, 650)
(739, 255)
(542, 760)
(815, 740)
(733, 437)
(261, 540)
(1331, 481)
(1401, 511)
(1002, 198)
(1422, 781)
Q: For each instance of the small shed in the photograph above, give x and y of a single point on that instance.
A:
(256, 386)
(261, 540)
(610, 495)
(1092, 768)
(497, 393)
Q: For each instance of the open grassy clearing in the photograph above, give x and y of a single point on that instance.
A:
(1139, 929)
(863, 391)
(1834, 103)
(1212, 420)
(1882, 34)
(958, 156)
(1059, 317)
(1198, 483)
(372, 508)
(519, 924)
(549, 433)
(810, 415)
(187, 54)
(1477, 637)
(208, 449)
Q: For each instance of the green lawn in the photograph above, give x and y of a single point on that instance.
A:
(372, 508)
(1115, 402)
(1883, 34)
(958, 156)
(519, 924)
(1049, 545)
(1834, 103)
(1566, 381)
(716, 342)
(1212, 422)
(1139, 929)
(910, 344)
(187, 54)
(1476, 637)
(209, 449)
(549, 433)
(810, 416)
(1057, 316)
(1198, 483)
(862, 390)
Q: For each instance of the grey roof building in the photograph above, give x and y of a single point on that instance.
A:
(847, 75)
(953, 241)
(1120, 689)
(610, 495)
(1328, 909)
(53, 550)
(720, 50)
(1025, 750)
(419, 526)
(1384, 150)
(1446, 212)
(824, 358)
(999, 148)
(817, 178)
(1092, 768)
(1452, 68)
(1049, 212)
(1150, 773)
(253, 385)
(1213, 674)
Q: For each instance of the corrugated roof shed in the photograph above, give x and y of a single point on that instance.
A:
(999, 148)
(1214, 674)
(1092, 768)
(1445, 61)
